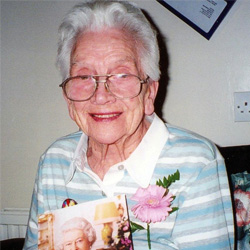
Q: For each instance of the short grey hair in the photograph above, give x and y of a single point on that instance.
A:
(95, 15)
(81, 224)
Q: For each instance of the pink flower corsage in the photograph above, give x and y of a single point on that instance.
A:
(153, 203)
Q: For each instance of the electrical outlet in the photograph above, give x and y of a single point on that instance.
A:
(242, 106)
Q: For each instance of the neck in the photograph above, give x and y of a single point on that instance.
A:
(102, 156)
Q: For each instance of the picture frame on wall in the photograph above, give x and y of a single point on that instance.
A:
(204, 16)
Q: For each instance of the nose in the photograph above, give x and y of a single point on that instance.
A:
(73, 247)
(102, 94)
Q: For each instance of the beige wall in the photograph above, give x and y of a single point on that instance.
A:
(203, 77)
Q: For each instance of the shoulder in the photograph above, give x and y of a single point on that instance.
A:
(64, 146)
(71, 139)
(186, 141)
(68, 142)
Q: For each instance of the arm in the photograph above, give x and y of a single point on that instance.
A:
(205, 217)
(31, 239)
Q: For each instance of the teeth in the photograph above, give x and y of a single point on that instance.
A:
(105, 116)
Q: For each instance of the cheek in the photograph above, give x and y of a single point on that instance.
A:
(135, 111)
(71, 109)
(84, 245)
(77, 113)
(74, 110)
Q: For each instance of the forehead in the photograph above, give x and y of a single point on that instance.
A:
(106, 46)
(73, 233)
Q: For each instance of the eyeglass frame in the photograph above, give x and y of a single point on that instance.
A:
(96, 82)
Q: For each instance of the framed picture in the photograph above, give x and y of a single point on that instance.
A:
(202, 15)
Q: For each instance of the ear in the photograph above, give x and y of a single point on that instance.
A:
(150, 97)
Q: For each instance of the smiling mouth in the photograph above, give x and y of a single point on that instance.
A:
(105, 117)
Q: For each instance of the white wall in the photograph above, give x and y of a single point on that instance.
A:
(203, 77)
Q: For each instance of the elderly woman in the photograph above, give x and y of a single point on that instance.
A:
(77, 234)
(108, 56)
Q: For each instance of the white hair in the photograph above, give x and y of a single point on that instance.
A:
(95, 15)
(81, 224)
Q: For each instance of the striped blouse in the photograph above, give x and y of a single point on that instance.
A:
(204, 219)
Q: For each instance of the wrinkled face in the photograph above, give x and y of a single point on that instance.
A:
(75, 239)
(103, 117)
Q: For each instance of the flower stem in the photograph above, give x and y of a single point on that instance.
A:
(148, 235)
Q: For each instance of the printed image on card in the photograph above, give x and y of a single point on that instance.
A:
(100, 224)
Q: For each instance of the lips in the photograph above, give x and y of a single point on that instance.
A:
(105, 117)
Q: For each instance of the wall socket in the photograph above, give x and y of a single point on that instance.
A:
(242, 106)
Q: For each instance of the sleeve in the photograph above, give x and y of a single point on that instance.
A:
(205, 217)
(31, 239)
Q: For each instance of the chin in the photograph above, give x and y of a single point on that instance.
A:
(107, 138)
(106, 141)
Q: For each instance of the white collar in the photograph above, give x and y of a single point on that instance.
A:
(141, 163)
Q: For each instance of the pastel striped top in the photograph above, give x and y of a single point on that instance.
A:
(204, 219)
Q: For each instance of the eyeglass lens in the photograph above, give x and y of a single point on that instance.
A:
(83, 87)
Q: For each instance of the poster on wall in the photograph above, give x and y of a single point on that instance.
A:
(202, 15)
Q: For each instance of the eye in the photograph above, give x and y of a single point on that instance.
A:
(67, 244)
(80, 240)
(86, 78)
(122, 76)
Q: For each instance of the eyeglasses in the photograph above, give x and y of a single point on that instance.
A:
(83, 87)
